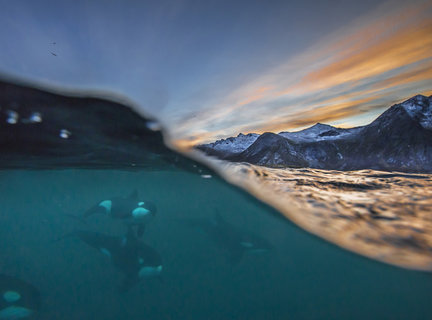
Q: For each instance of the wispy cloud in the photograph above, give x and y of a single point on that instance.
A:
(379, 59)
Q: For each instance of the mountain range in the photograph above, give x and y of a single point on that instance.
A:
(400, 139)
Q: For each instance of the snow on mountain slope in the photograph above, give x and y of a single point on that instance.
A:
(233, 144)
(400, 139)
(319, 132)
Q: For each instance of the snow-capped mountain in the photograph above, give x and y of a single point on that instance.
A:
(318, 132)
(229, 146)
(400, 139)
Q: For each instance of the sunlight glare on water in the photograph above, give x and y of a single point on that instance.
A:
(382, 215)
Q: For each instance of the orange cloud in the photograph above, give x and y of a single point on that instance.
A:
(404, 48)
(369, 50)
(324, 114)
(424, 72)
(258, 94)
(368, 66)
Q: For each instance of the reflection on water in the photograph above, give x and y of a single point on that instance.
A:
(385, 216)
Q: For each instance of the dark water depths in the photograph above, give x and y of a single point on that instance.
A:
(302, 277)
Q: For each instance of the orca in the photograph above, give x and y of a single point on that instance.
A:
(130, 256)
(234, 241)
(18, 299)
(128, 209)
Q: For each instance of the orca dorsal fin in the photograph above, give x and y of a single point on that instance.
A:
(133, 195)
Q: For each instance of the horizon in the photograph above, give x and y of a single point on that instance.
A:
(307, 127)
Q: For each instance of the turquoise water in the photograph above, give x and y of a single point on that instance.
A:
(302, 277)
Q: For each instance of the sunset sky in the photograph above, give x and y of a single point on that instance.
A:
(212, 69)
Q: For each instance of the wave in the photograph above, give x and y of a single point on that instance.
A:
(381, 215)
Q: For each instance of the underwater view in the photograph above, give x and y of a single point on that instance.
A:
(215, 160)
(295, 276)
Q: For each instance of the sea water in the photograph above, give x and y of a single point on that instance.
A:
(382, 215)
(301, 277)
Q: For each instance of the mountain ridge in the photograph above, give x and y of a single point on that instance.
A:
(400, 139)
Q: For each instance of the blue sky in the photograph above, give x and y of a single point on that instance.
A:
(211, 69)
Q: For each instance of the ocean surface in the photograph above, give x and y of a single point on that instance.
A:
(382, 215)
(301, 274)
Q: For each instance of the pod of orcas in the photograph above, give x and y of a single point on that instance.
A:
(128, 254)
